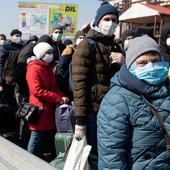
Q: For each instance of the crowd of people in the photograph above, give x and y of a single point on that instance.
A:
(112, 83)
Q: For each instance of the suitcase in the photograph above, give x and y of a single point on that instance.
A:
(62, 141)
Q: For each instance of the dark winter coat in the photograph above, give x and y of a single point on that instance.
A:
(4, 53)
(164, 48)
(58, 48)
(63, 71)
(21, 67)
(91, 74)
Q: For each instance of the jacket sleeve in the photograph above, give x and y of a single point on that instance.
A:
(113, 132)
(3, 57)
(81, 65)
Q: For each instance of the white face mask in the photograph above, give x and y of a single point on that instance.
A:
(3, 42)
(17, 40)
(48, 58)
(78, 41)
(168, 41)
(126, 44)
(108, 28)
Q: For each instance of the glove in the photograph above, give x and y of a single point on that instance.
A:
(80, 131)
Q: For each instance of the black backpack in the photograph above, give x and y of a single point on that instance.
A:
(10, 64)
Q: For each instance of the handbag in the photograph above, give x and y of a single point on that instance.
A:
(155, 113)
(29, 112)
(77, 158)
(65, 119)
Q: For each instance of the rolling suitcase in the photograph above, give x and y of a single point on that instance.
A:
(62, 142)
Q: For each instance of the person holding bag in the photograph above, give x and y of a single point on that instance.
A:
(44, 93)
(134, 125)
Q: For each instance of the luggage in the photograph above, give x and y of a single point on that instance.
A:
(62, 141)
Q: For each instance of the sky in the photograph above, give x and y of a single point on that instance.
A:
(9, 12)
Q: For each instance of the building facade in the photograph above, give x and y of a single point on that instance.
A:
(123, 5)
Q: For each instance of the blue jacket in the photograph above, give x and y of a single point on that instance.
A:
(129, 135)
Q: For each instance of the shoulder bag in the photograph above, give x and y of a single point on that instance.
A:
(29, 112)
(166, 135)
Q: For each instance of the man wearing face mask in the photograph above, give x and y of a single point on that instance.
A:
(3, 39)
(92, 73)
(127, 35)
(14, 45)
(58, 46)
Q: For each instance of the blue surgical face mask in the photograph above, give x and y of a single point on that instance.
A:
(152, 73)
(57, 36)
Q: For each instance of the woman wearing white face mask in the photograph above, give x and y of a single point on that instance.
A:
(43, 92)
(92, 67)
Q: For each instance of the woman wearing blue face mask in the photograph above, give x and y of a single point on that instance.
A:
(129, 135)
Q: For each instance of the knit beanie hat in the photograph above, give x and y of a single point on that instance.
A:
(56, 26)
(139, 46)
(15, 31)
(41, 48)
(46, 38)
(126, 34)
(79, 33)
(103, 10)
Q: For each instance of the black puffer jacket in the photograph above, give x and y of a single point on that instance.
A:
(91, 74)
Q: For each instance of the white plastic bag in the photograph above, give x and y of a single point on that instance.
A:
(77, 158)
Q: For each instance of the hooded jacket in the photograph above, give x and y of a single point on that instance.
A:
(91, 74)
(44, 92)
(129, 135)
(164, 48)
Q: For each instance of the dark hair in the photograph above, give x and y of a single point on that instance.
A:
(3, 35)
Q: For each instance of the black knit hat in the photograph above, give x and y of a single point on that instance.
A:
(126, 34)
(46, 38)
(15, 31)
(105, 9)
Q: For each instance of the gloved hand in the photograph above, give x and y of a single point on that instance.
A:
(80, 131)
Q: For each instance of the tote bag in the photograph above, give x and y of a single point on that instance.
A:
(64, 118)
(77, 158)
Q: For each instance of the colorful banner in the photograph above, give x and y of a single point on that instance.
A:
(40, 17)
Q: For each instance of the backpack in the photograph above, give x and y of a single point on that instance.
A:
(10, 64)
(93, 50)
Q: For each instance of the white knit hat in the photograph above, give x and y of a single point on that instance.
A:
(41, 48)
